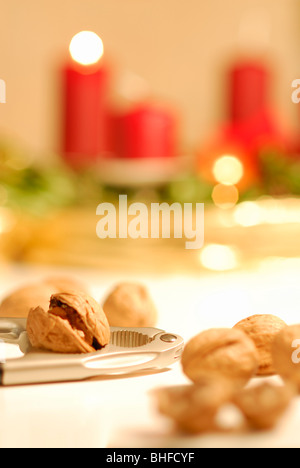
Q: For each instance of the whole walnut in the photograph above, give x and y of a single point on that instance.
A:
(19, 302)
(221, 352)
(262, 329)
(194, 408)
(286, 354)
(130, 305)
(64, 283)
(74, 323)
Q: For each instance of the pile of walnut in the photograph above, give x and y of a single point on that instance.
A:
(63, 317)
(221, 364)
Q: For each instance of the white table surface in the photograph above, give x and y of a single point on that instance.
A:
(120, 412)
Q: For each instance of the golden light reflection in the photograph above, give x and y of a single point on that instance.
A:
(228, 170)
(218, 257)
(267, 210)
(225, 196)
(86, 48)
(7, 221)
(248, 214)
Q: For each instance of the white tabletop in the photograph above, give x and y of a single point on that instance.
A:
(120, 412)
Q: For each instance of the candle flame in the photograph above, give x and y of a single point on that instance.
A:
(86, 48)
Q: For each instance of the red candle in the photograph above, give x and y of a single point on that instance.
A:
(147, 131)
(249, 86)
(85, 102)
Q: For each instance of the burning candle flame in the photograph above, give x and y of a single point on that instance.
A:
(86, 48)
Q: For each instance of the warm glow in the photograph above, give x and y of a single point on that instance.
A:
(7, 221)
(267, 211)
(248, 214)
(225, 196)
(228, 170)
(219, 257)
(86, 48)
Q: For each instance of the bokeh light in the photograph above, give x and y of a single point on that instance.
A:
(228, 170)
(219, 257)
(86, 48)
(225, 196)
(248, 214)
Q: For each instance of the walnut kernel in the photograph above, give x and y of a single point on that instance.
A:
(75, 323)
(193, 408)
(264, 404)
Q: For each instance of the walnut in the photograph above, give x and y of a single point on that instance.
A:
(63, 284)
(20, 301)
(221, 352)
(285, 353)
(75, 323)
(262, 329)
(194, 408)
(264, 404)
(130, 305)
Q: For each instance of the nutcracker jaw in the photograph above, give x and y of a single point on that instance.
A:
(130, 350)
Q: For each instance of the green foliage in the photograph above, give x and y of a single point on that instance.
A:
(41, 188)
(280, 174)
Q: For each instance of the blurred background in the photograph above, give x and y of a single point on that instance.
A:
(188, 103)
(182, 53)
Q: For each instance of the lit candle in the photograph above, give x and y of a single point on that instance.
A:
(85, 101)
(248, 93)
(146, 131)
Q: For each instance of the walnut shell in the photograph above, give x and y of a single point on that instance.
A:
(262, 329)
(264, 404)
(75, 323)
(130, 305)
(19, 302)
(63, 283)
(285, 355)
(193, 408)
(221, 352)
